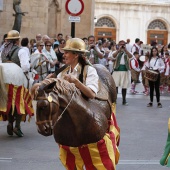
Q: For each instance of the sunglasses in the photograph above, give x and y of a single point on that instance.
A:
(48, 45)
(62, 43)
(41, 45)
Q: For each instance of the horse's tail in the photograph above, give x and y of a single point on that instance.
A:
(3, 92)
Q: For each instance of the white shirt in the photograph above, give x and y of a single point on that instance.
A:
(133, 64)
(27, 50)
(129, 47)
(91, 80)
(110, 55)
(24, 60)
(134, 48)
(103, 61)
(156, 64)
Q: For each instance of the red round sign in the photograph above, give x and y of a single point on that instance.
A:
(74, 7)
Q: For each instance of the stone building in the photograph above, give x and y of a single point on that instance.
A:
(46, 17)
(148, 20)
(116, 19)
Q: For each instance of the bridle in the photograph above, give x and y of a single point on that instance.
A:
(50, 100)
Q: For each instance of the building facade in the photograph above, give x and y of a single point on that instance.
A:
(46, 17)
(148, 20)
(115, 19)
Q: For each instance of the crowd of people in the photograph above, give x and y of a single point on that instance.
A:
(120, 58)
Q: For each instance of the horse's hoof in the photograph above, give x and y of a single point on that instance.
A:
(18, 132)
(10, 129)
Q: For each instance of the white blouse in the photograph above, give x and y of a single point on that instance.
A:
(155, 64)
(91, 80)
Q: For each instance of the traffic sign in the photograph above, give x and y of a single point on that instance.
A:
(74, 7)
(74, 19)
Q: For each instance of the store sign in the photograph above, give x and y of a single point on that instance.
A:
(1, 5)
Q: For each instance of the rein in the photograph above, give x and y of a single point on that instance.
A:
(50, 100)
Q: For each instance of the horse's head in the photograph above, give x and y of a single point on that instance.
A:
(47, 106)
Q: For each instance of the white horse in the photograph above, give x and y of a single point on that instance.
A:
(11, 73)
(39, 65)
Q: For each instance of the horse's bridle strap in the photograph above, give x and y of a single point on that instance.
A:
(44, 121)
(50, 117)
(50, 100)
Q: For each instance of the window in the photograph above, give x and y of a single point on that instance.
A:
(105, 22)
(157, 25)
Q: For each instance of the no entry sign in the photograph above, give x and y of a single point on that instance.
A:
(74, 7)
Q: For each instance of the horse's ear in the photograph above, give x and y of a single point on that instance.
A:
(48, 88)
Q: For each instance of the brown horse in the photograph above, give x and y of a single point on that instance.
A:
(74, 120)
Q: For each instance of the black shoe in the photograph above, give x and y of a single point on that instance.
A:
(10, 129)
(125, 103)
(159, 105)
(149, 104)
(138, 81)
(18, 132)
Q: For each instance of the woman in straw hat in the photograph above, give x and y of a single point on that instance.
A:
(85, 78)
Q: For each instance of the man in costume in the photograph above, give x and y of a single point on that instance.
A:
(19, 99)
(121, 70)
(137, 48)
(135, 70)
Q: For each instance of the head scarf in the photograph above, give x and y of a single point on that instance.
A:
(7, 48)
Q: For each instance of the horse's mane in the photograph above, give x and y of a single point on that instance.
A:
(62, 86)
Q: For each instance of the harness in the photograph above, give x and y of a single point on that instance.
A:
(50, 100)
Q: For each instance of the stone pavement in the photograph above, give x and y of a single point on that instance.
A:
(143, 137)
(143, 131)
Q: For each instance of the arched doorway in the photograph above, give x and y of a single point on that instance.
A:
(105, 28)
(157, 31)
